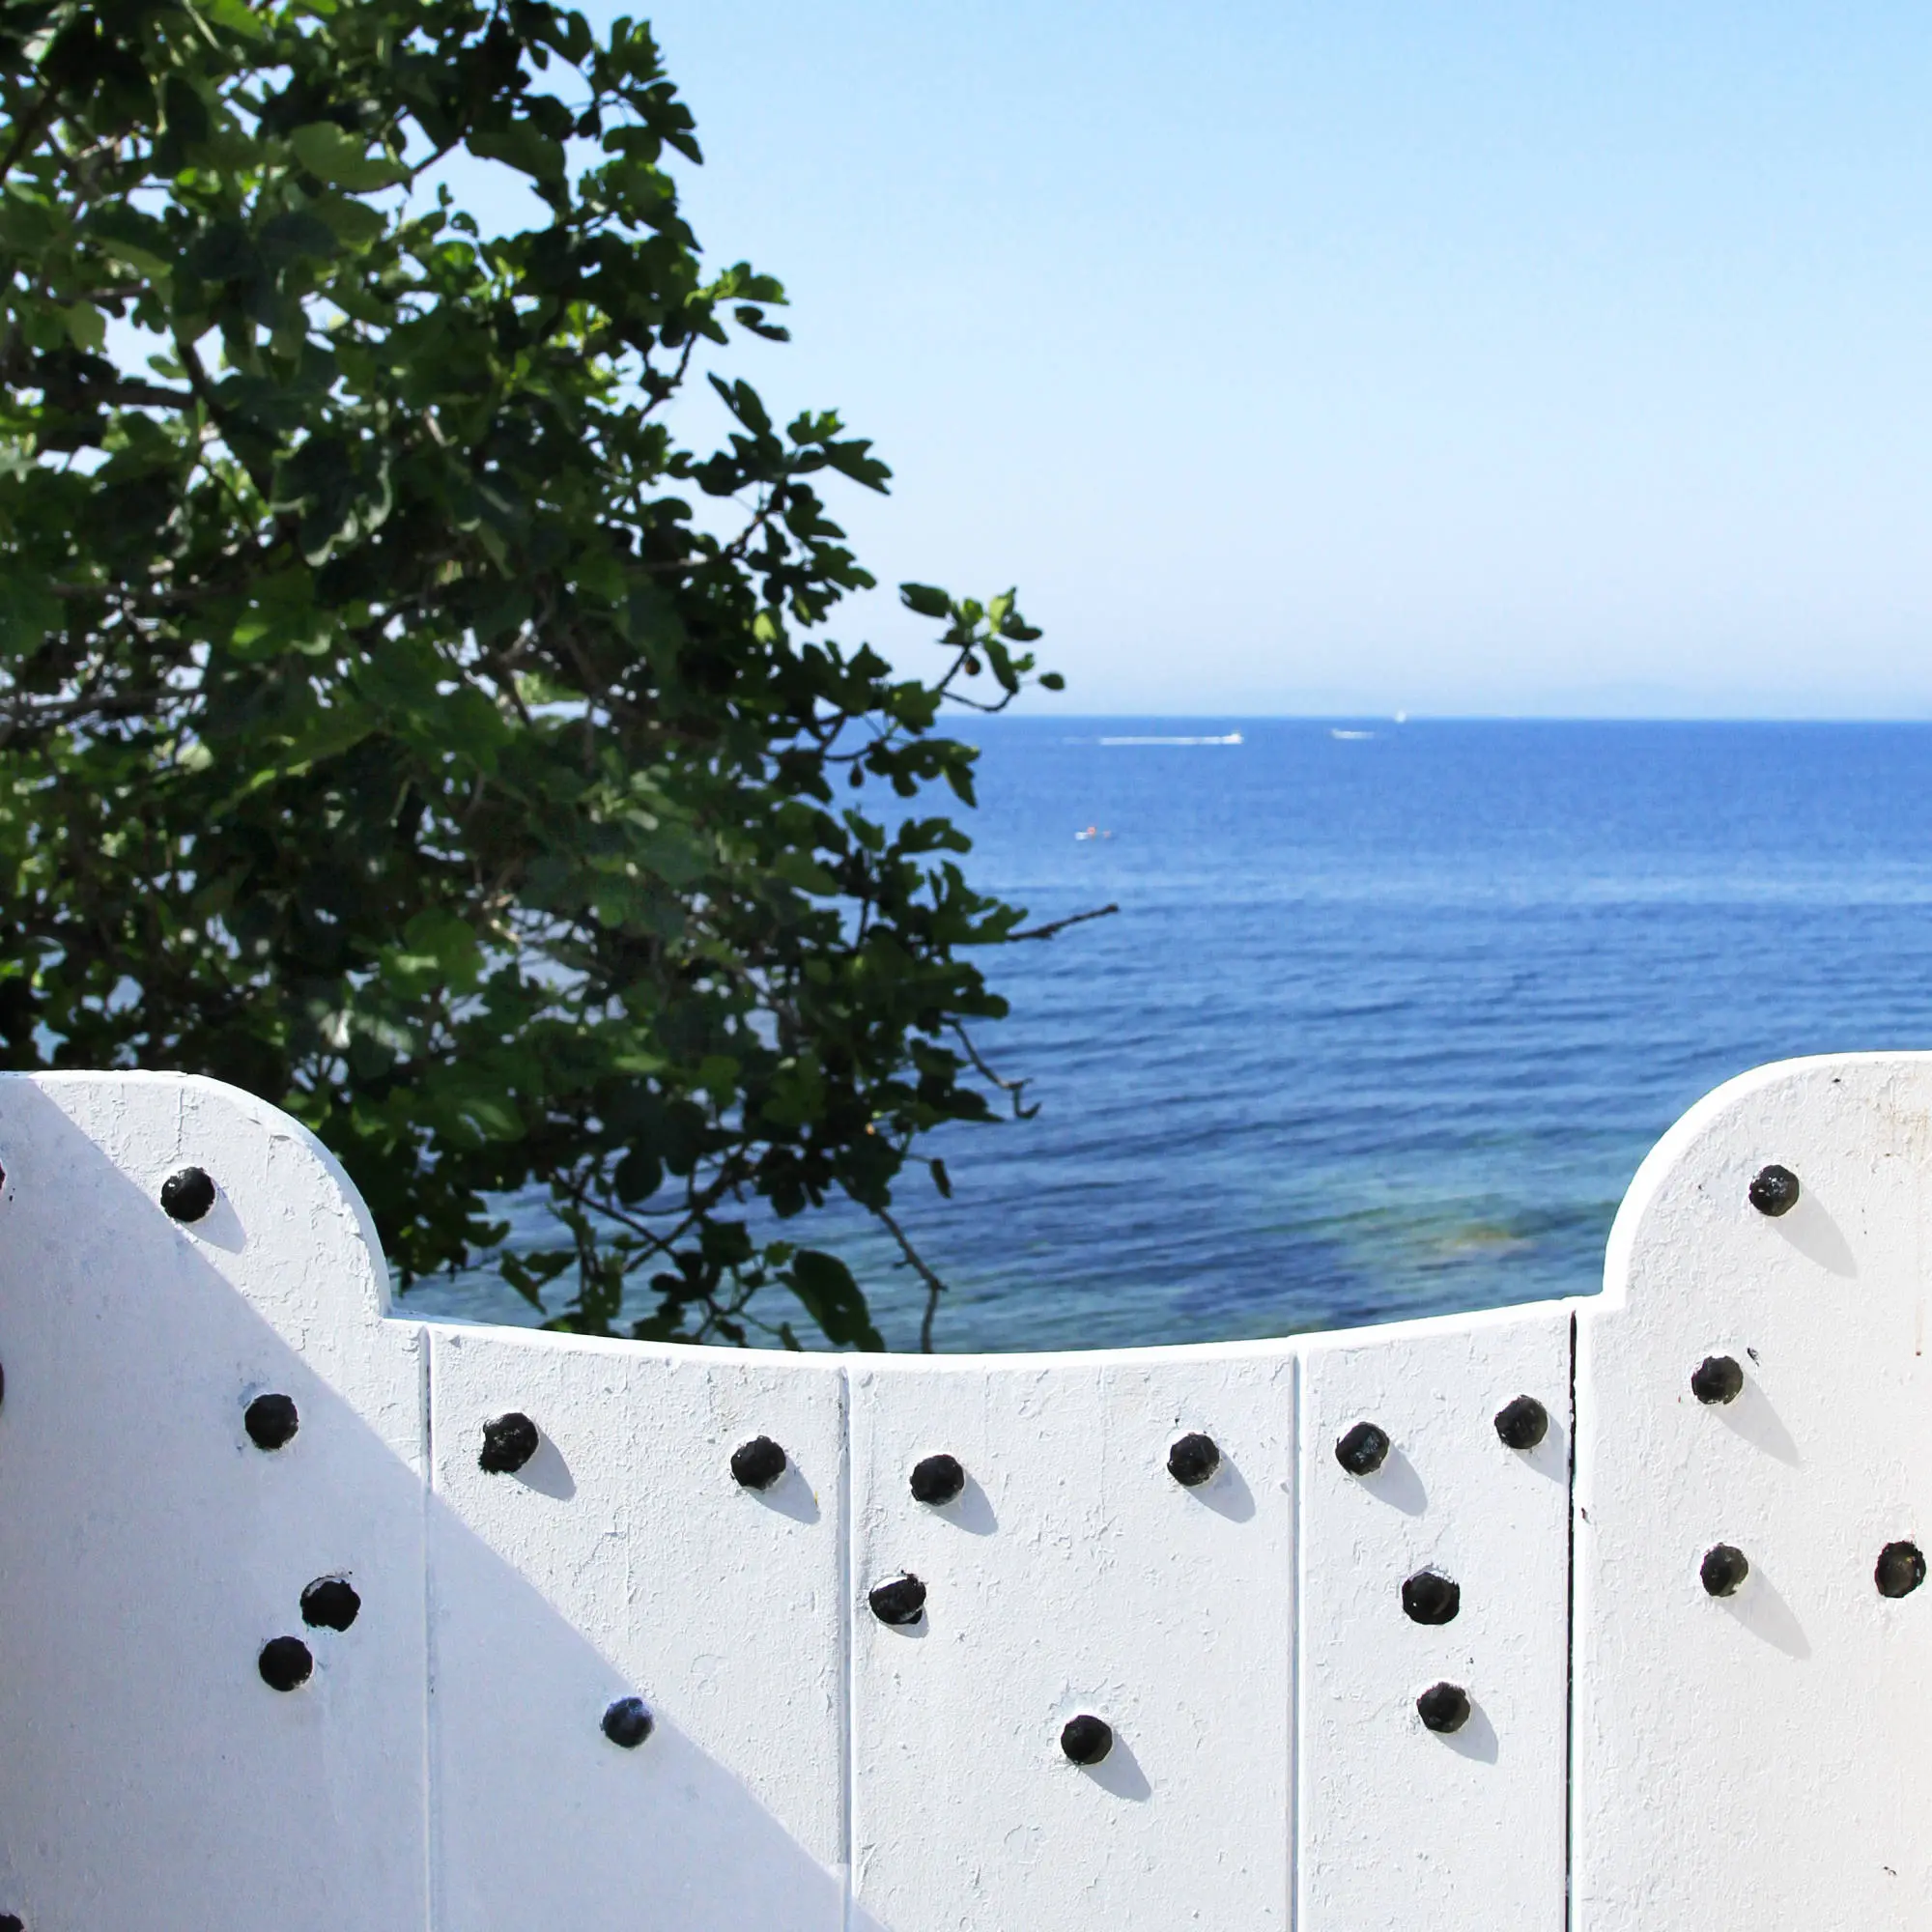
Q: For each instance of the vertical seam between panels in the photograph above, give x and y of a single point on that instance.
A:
(432, 1797)
(1295, 1609)
(848, 1782)
(1570, 1662)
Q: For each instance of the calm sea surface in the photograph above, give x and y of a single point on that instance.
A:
(1389, 1014)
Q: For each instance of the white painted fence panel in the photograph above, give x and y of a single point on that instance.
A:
(1400, 1825)
(1074, 1576)
(624, 1560)
(1739, 1653)
(1762, 1758)
(149, 1549)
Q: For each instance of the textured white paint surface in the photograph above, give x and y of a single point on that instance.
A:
(1399, 1825)
(1762, 1760)
(1750, 1762)
(148, 1548)
(1074, 1574)
(624, 1559)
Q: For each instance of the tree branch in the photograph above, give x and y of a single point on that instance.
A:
(1014, 1090)
(934, 1287)
(1052, 927)
(30, 130)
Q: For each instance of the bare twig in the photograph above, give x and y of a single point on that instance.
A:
(669, 385)
(934, 1287)
(1052, 927)
(1014, 1090)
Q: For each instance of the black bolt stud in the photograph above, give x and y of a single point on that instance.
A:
(1774, 1190)
(1193, 1461)
(270, 1421)
(1085, 1739)
(937, 1479)
(1363, 1450)
(1901, 1568)
(1717, 1380)
(1430, 1598)
(330, 1603)
(187, 1196)
(1724, 1570)
(1443, 1708)
(1522, 1424)
(285, 1663)
(757, 1464)
(627, 1724)
(902, 1601)
(509, 1441)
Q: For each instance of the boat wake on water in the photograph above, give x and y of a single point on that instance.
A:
(1232, 738)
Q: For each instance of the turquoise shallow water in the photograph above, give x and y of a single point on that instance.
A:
(1386, 1021)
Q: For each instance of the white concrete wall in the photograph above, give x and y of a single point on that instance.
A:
(1637, 1754)
(1762, 1759)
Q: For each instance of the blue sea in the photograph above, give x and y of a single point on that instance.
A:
(1389, 1012)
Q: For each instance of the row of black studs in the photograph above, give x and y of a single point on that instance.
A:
(330, 1603)
(1719, 1380)
(511, 1439)
(1428, 1597)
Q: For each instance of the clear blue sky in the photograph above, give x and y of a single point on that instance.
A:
(1466, 357)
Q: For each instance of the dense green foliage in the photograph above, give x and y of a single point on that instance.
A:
(387, 725)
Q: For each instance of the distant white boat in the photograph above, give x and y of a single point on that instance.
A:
(1334, 734)
(1232, 738)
